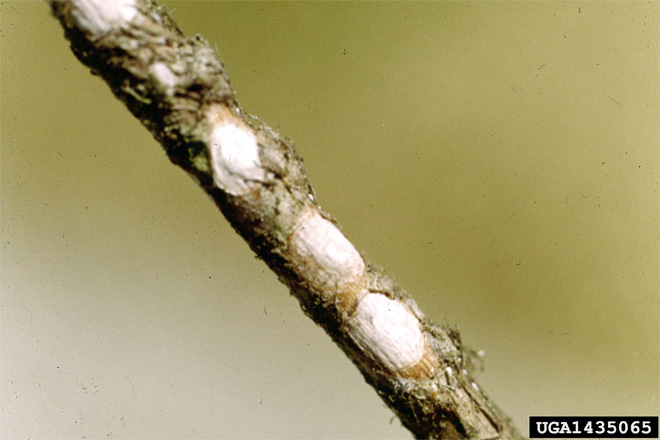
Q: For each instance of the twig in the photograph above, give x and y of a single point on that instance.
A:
(178, 88)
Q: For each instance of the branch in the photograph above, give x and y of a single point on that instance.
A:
(178, 88)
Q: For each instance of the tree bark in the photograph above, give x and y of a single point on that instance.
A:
(178, 88)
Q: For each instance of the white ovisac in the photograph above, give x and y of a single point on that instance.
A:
(234, 157)
(102, 16)
(325, 257)
(388, 331)
(161, 75)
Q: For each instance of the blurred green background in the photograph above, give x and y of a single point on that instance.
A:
(499, 159)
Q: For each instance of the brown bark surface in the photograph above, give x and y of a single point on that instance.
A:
(178, 88)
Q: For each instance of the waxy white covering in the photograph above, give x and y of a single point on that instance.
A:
(327, 259)
(102, 16)
(234, 157)
(388, 331)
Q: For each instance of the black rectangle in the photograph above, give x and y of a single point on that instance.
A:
(593, 427)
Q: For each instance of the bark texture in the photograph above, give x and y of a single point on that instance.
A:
(178, 88)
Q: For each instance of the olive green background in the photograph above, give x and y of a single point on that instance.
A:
(499, 159)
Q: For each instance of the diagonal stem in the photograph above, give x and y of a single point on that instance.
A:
(178, 88)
